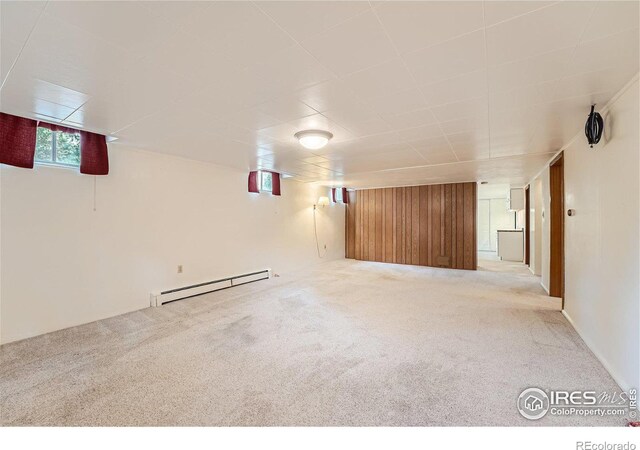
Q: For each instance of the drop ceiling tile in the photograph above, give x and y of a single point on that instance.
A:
(420, 133)
(538, 32)
(398, 103)
(128, 25)
(274, 78)
(449, 59)
(463, 87)
(537, 69)
(410, 119)
(605, 80)
(611, 17)
(428, 146)
(313, 159)
(353, 45)
(286, 108)
(17, 19)
(183, 54)
(239, 30)
(458, 110)
(9, 51)
(249, 118)
(383, 161)
(25, 89)
(331, 94)
(442, 158)
(501, 11)
(522, 97)
(177, 11)
(74, 58)
(386, 78)
(619, 51)
(479, 122)
(304, 19)
(416, 25)
(28, 106)
(359, 119)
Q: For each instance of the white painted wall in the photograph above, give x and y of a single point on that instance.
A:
(64, 264)
(601, 241)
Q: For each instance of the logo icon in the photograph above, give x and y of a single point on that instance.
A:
(533, 403)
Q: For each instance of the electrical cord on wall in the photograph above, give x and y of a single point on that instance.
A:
(315, 231)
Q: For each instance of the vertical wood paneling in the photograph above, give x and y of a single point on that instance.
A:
(378, 219)
(365, 225)
(436, 224)
(469, 225)
(432, 225)
(454, 229)
(388, 225)
(447, 230)
(460, 226)
(422, 238)
(415, 225)
(372, 225)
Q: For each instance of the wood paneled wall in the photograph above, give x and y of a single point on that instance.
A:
(432, 225)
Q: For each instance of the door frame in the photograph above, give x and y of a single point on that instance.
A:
(556, 189)
(527, 224)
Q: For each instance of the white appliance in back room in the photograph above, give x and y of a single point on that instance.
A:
(511, 241)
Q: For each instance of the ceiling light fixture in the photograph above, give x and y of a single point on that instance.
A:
(313, 139)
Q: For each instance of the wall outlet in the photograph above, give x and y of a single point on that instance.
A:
(180, 268)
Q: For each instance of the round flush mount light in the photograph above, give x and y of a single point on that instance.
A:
(313, 139)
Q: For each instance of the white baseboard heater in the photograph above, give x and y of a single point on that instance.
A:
(171, 295)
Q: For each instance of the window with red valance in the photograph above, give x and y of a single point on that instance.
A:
(264, 181)
(20, 146)
(339, 195)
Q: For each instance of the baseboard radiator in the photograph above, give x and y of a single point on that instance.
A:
(171, 295)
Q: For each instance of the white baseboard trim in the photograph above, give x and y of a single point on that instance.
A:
(546, 289)
(531, 270)
(623, 385)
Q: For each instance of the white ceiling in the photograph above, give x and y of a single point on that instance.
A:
(414, 92)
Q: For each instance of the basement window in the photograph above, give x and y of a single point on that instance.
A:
(265, 181)
(57, 148)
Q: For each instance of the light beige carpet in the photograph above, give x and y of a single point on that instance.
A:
(346, 343)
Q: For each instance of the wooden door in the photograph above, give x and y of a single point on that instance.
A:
(556, 185)
(527, 224)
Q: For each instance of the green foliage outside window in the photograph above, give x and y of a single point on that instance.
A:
(57, 147)
(266, 180)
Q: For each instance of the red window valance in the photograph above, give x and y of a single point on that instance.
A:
(17, 140)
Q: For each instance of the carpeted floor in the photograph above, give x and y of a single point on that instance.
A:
(345, 343)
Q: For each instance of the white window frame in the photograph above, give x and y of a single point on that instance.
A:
(260, 172)
(53, 162)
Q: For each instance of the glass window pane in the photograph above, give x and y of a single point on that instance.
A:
(44, 143)
(68, 148)
(338, 195)
(267, 181)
